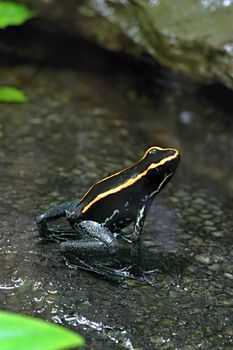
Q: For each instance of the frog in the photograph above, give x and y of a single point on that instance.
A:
(111, 204)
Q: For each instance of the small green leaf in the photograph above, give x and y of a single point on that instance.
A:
(10, 94)
(21, 332)
(13, 14)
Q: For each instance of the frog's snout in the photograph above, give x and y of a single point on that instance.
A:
(174, 155)
(170, 155)
(173, 152)
(172, 159)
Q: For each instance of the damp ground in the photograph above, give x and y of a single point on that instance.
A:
(89, 116)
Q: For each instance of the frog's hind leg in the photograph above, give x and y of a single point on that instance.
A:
(52, 214)
(98, 239)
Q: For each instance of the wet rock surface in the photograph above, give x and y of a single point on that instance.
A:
(83, 122)
(194, 37)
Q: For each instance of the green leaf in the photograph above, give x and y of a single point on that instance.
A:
(21, 332)
(13, 14)
(10, 94)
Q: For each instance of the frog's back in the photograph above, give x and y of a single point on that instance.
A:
(153, 159)
(116, 199)
(111, 201)
(114, 183)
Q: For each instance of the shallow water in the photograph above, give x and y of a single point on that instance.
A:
(84, 121)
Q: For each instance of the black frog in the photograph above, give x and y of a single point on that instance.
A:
(113, 203)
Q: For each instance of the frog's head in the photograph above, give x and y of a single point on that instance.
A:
(161, 164)
(163, 159)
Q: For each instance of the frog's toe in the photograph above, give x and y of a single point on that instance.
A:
(40, 218)
(41, 222)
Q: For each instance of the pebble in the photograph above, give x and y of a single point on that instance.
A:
(217, 233)
(214, 267)
(203, 258)
(228, 275)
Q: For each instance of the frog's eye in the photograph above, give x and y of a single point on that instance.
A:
(152, 151)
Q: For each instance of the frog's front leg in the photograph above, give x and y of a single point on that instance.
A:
(98, 239)
(136, 246)
(52, 214)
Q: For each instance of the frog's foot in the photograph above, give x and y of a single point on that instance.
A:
(57, 234)
(113, 274)
(52, 214)
(98, 239)
(122, 273)
(103, 270)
